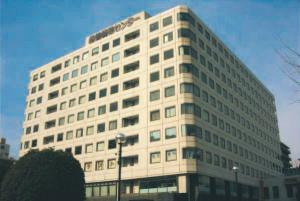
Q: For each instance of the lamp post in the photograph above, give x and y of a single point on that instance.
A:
(235, 170)
(120, 138)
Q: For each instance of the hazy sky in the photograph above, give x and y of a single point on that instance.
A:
(36, 32)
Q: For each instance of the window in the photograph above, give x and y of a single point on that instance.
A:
(132, 35)
(103, 77)
(113, 125)
(102, 93)
(154, 59)
(275, 191)
(208, 157)
(56, 68)
(154, 76)
(53, 95)
(100, 146)
(85, 55)
(167, 21)
(154, 95)
(90, 130)
(168, 37)
(115, 73)
(116, 42)
(99, 165)
(78, 150)
(130, 121)
(88, 166)
(186, 33)
(51, 109)
(74, 73)
(191, 108)
(155, 157)
(114, 89)
(104, 61)
(154, 42)
(80, 116)
(216, 160)
(95, 51)
(206, 115)
(131, 67)
(100, 127)
(105, 47)
(75, 59)
(79, 132)
(83, 70)
(39, 100)
(67, 63)
(169, 72)
(71, 118)
(170, 112)
(72, 102)
(92, 96)
(189, 68)
(171, 155)
(63, 105)
(35, 128)
(154, 115)
(49, 124)
(191, 130)
(169, 91)
(73, 88)
(170, 132)
(168, 54)
(130, 102)
(113, 107)
(89, 148)
(186, 17)
(60, 137)
(42, 74)
(153, 26)
(131, 51)
(94, 66)
(131, 84)
(116, 57)
(111, 163)
(48, 139)
(54, 81)
(187, 50)
(81, 100)
(112, 144)
(101, 109)
(65, 76)
(189, 88)
(82, 84)
(154, 135)
(64, 91)
(69, 135)
(192, 153)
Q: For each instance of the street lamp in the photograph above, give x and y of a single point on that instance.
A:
(236, 170)
(120, 138)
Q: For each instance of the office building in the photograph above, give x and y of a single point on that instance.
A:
(191, 110)
(4, 149)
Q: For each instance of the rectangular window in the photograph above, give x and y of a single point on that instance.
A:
(113, 107)
(130, 102)
(154, 76)
(105, 47)
(94, 66)
(169, 72)
(114, 89)
(115, 73)
(79, 132)
(131, 36)
(69, 135)
(132, 51)
(168, 54)
(90, 130)
(83, 70)
(95, 51)
(74, 73)
(99, 165)
(168, 37)
(169, 91)
(102, 110)
(154, 135)
(100, 146)
(170, 112)
(116, 57)
(171, 155)
(111, 163)
(170, 132)
(102, 93)
(154, 115)
(154, 95)
(104, 61)
(78, 150)
(113, 125)
(103, 77)
(101, 128)
(155, 157)
(116, 42)
(154, 26)
(89, 148)
(167, 21)
(131, 67)
(154, 59)
(131, 84)
(154, 42)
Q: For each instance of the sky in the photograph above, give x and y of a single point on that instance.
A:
(32, 33)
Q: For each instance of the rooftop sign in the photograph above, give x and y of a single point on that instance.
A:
(111, 30)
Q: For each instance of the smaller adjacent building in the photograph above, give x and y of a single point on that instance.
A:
(4, 149)
(285, 155)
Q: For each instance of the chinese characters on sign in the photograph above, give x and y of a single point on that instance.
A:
(116, 28)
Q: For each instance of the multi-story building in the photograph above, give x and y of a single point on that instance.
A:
(285, 156)
(4, 149)
(191, 110)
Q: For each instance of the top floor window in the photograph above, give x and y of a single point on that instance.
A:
(167, 21)
(186, 17)
(56, 68)
(132, 35)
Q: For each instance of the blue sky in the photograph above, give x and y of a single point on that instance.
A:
(36, 32)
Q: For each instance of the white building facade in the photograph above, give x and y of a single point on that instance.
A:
(191, 110)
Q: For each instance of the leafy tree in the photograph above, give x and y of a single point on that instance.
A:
(46, 175)
(5, 164)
